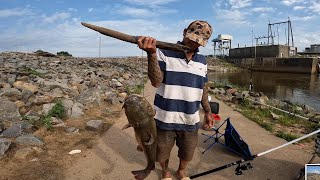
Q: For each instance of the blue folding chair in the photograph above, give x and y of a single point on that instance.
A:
(233, 141)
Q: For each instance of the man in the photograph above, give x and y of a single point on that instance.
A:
(180, 81)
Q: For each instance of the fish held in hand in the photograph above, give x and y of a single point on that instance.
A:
(140, 115)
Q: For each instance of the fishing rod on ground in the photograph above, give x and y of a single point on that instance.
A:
(248, 166)
(290, 113)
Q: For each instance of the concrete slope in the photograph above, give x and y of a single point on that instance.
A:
(114, 156)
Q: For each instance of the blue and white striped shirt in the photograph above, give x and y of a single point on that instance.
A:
(178, 98)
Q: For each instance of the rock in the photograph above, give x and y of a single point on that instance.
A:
(13, 131)
(26, 127)
(28, 96)
(57, 93)
(126, 76)
(308, 109)
(275, 116)
(277, 103)
(89, 96)
(111, 98)
(316, 118)
(24, 153)
(94, 125)
(92, 83)
(260, 100)
(38, 150)
(215, 91)
(47, 107)
(56, 122)
(12, 94)
(231, 91)
(222, 91)
(43, 100)
(299, 109)
(29, 139)
(19, 104)
(77, 151)
(70, 129)
(77, 110)
(245, 94)
(68, 104)
(2, 127)
(26, 86)
(4, 145)
(8, 111)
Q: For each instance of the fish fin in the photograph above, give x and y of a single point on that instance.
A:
(150, 141)
(126, 126)
(139, 148)
(141, 174)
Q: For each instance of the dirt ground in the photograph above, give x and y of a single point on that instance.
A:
(113, 155)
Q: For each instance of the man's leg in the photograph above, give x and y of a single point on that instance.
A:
(165, 170)
(187, 142)
(166, 141)
(181, 172)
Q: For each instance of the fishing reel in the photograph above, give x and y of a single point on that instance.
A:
(243, 167)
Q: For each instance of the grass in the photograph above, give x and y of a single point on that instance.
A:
(57, 110)
(286, 136)
(34, 72)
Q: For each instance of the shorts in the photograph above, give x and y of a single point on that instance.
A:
(186, 141)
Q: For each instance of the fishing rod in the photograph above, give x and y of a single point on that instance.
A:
(252, 157)
(290, 113)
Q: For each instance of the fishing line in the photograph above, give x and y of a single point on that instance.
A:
(142, 78)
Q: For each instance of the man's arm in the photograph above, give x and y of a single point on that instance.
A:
(155, 74)
(208, 121)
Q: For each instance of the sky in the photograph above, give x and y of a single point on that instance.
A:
(55, 26)
(313, 169)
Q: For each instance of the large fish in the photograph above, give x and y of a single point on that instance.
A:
(140, 115)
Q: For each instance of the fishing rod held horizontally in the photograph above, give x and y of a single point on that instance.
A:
(133, 39)
(253, 156)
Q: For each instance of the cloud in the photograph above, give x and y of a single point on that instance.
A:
(302, 18)
(315, 7)
(72, 9)
(143, 12)
(4, 13)
(55, 17)
(136, 12)
(232, 16)
(299, 7)
(235, 4)
(152, 3)
(291, 2)
(90, 9)
(262, 9)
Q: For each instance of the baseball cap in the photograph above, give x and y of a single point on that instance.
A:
(199, 31)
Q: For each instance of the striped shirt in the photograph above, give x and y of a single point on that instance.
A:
(178, 98)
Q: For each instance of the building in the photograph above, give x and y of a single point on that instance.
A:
(280, 51)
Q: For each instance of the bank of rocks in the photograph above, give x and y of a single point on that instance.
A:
(267, 110)
(32, 85)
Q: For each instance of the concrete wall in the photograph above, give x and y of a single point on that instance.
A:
(261, 51)
(292, 65)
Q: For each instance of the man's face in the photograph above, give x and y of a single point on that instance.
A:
(191, 44)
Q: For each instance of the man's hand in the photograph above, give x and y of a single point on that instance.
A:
(147, 44)
(208, 121)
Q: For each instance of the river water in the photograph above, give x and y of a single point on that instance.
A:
(297, 88)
